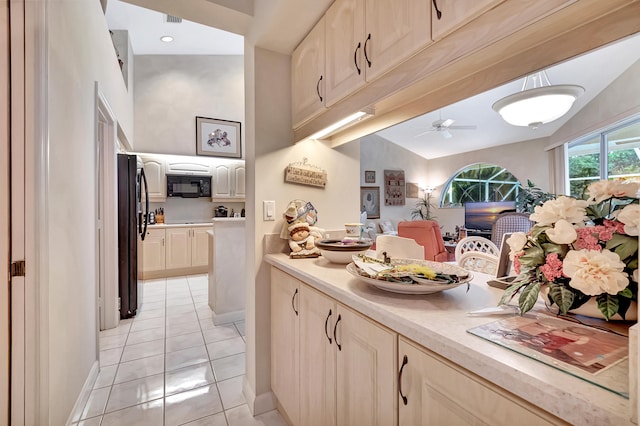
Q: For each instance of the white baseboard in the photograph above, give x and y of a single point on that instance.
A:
(76, 412)
(261, 404)
(228, 317)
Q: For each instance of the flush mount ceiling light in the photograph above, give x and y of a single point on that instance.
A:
(538, 105)
(166, 38)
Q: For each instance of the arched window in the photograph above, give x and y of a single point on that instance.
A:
(479, 183)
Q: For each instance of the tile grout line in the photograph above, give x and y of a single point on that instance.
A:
(215, 379)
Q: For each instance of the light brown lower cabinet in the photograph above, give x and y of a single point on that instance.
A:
(344, 367)
(435, 391)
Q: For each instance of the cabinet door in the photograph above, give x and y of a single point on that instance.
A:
(178, 248)
(200, 246)
(153, 250)
(456, 13)
(221, 181)
(239, 181)
(317, 358)
(285, 368)
(307, 73)
(365, 374)
(154, 170)
(344, 60)
(395, 29)
(187, 166)
(438, 392)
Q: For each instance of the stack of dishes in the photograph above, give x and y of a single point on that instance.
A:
(341, 251)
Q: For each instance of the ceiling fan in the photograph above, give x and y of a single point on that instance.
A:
(443, 127)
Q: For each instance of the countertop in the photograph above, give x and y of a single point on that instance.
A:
(179, 225)
(439, 323)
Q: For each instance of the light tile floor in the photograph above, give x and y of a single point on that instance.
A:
(170, 365)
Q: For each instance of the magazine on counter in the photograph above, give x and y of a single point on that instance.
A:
(557, 341)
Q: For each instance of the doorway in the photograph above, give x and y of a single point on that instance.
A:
(5, 224)
(106, 221)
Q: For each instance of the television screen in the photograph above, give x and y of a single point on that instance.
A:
(480, 216)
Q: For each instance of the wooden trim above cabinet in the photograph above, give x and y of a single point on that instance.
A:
(505, 43)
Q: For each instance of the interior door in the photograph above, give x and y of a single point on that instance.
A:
(5, 224)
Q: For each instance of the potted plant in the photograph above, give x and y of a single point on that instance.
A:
(424, 209)
(531, 196)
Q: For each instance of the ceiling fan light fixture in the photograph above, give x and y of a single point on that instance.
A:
(539, 105)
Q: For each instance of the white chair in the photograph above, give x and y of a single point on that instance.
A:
(480, 244)
(479, 262)
(398, 247)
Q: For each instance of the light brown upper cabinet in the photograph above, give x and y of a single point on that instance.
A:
(448, 15)
(365, 38)
(307, 70)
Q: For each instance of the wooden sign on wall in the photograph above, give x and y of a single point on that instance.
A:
(394, 188)
(305, 174)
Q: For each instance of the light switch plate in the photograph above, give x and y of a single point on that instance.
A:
(269, 210)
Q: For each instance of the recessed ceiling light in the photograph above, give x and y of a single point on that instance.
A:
(166, 39)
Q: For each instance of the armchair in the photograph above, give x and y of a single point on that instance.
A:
(427, 234)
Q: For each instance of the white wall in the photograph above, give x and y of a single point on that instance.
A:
(378, 154)
(170, 91)
(80, 52)
(619, 100)
(269, 151)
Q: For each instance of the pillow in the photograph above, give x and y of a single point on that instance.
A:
(387, 227)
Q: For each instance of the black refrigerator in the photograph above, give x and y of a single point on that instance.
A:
(132, 222)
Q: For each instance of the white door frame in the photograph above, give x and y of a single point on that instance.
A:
(107, 208)
(29, 194)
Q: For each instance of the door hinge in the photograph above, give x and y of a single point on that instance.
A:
(18, 268)
(119, 303)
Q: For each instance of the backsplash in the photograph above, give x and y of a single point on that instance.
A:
(196, 210)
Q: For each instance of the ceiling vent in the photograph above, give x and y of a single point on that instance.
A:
(172, 19)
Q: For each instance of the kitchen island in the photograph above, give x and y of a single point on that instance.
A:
(437, 325)
(227, 269)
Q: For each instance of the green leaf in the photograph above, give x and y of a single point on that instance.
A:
(607, 304)
(626, 293)
(529, 297)
(532, 256)
(560, 249)
(512, 289)
(623, 245)
(561, 296)
(633, 263)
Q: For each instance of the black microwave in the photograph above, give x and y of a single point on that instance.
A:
(188, 186)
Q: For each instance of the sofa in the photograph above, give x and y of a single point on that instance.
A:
(427, 234)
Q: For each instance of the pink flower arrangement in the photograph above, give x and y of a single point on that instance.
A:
(581, 249)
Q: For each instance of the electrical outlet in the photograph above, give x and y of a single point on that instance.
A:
(269, 210)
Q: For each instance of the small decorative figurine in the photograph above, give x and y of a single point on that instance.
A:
(301, 242)
(299, 218)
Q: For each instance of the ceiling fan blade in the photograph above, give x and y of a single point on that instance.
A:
(448, 122)
(465, 127)
(424, 133)
(447, 134)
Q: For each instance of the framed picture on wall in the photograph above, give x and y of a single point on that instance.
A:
(370, 201)
(394, 188)
(369, 176)
(218, 138)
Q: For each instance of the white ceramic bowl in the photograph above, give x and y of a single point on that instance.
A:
(340, 256)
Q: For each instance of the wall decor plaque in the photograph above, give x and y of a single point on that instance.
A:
(394, 188)
(305, 174)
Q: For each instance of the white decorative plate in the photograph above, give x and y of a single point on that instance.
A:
(424, 286)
